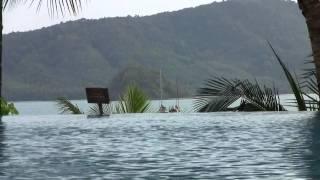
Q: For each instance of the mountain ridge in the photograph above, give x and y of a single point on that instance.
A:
(223, 39)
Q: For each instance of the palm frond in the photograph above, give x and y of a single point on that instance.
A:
(107, 109)
(55, 7)
(310, 71)
(220, 87)
(295, 87)
(217, 95)
(262, 98)
(214, 104)
(133, 101)
(66, 106)
(220, 93)
(7, 108)
(311, 85)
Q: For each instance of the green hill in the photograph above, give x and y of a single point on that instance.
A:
(225, 39)
(149, 80)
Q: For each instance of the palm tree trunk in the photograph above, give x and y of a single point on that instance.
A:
(311, 11)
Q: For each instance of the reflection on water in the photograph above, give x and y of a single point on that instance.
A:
(162, 146)
(2, 145)
(312, 155)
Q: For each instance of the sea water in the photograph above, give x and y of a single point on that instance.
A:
(186, 105)
(162, 146)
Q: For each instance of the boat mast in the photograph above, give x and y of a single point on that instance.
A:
(177, 100)
(161, 93)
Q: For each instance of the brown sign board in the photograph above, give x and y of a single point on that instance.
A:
(98, 95)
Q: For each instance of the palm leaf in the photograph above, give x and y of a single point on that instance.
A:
(217, 95)
(220, 86)
(220, 93)
(133, 101)
(66, 106)
(296, 89)
(311, 85)
(262, 98)
(107, 109)
(214, 104)
(55, 7)
(7, 108)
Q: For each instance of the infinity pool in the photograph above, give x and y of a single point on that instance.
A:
(162, 146)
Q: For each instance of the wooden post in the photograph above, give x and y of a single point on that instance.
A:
(100, 109)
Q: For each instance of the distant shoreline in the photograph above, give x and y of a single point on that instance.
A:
(169, 99)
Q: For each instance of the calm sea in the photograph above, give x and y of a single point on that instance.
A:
(182, 146)
(51, 108)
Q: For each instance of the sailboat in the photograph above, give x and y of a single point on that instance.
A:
(176, 108)
(162, 108)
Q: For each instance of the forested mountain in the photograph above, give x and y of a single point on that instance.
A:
(224, 39)
(149, 80)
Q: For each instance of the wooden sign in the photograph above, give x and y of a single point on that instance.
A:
(98, 95)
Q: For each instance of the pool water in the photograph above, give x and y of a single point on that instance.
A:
(162, 146)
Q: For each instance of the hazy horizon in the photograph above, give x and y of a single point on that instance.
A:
(26, 18)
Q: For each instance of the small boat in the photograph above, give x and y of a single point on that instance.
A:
(162, 108)
(176, 108)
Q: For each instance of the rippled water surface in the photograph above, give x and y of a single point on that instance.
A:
(162, 146)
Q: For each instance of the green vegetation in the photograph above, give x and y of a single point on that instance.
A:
(107, 109)
(7, 108)
(310, 84)
(311, 11)
(55, 8)
(189, 45)
(295, 87)
(302, 90)
(133, 100)
(66, 106)
(220, 93)
(148, 79)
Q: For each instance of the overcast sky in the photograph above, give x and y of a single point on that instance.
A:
(25, 18)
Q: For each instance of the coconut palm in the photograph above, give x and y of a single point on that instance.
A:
(55, 8)
(304, 88)
(311, 11)
(220, 93)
